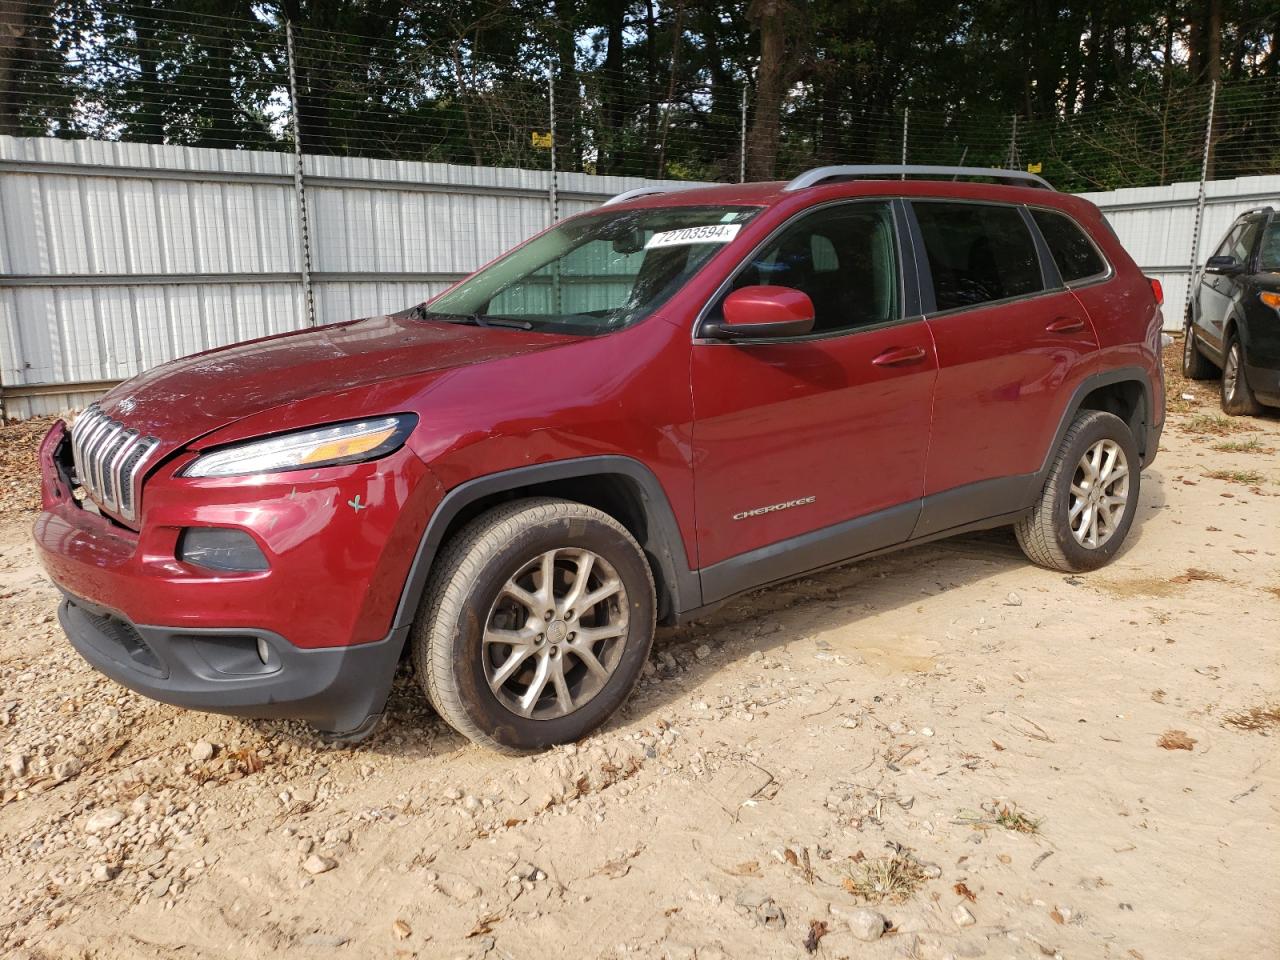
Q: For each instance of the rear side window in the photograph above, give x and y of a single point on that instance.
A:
(978, 253)
(1076, 256)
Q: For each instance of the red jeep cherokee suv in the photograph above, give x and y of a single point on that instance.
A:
(635, 415)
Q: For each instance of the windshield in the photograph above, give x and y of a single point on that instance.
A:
(593, 274)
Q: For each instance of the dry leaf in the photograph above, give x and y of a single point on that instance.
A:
(483, 925)
(998, 746)
(1056, 916)
(962, 890)
(401, 930)
(1176, 740)
(817, 930)
(748, 868)
(790, 856)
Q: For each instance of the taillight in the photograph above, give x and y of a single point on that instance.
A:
(1157, 290)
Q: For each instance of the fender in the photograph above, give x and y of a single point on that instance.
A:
(662, 543)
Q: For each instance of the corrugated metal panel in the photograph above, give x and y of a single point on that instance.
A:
(91, 234)
(1156, 225)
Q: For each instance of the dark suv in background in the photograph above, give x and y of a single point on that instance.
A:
(1233, 315)
(637, 414)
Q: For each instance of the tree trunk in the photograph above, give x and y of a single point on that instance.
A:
(148, 120)
(777, 22)
(676, 30)
(566, 81)
(19, 22)
(612, 86)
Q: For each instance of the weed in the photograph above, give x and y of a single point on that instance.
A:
(893, 878)
(1247, 477)
(1213, 424)
(1260, 719)
(1252, 445)
(1017, 821)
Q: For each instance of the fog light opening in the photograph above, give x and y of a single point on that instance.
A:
(264, 651)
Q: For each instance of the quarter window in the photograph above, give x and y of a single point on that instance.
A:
(1076, 256)
(844, 257)
(978, 253)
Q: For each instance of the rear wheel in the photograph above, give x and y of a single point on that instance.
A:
(536, 624)
(1087, 505)
(1237, 398)
(1195, 365)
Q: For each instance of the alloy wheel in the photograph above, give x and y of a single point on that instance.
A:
(1231, 372)
(555, 634)
(1099, 494)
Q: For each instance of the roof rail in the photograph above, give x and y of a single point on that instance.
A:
(638, 192)
(818, 175)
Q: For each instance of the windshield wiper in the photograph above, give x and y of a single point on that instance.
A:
(488, 320)
(420, 312)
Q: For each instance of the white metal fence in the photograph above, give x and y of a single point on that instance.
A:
(115, 257)
(1157, 227)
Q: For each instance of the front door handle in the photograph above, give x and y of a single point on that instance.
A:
(1066, 325)
(899, 356)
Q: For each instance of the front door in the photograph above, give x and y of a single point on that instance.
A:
(812, 449)
(1216, 291)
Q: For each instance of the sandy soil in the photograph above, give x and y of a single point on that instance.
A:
(973, 731)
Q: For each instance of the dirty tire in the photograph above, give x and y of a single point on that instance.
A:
(1237, 396)
(468, 577)
(1195, 365)
(1045, 534)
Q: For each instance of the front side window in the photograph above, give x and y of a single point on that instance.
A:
(1242, 243)
(593, 274)
(978, 253)
(1076, 256)
(1269, 254)
(844, 257)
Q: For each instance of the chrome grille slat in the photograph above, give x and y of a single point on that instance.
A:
(110, 458)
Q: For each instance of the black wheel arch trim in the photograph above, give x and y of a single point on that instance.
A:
(662, 544)
(1147, 444)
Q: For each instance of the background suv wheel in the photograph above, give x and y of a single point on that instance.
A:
(1237, 398)
(1195, 365)
(1088, 501)
(536, 625)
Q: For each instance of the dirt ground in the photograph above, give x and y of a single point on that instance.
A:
(999, 760)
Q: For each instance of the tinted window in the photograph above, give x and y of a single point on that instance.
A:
(1072, 251)
(1269, 255)
(844, 257)
(1238, 242)
(977, 253)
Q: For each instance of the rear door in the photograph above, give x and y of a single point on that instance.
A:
(1012, 345)
(812, 449)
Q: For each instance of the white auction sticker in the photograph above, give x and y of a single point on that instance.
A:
(709, 233)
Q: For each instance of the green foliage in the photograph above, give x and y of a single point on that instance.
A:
(1104, 94)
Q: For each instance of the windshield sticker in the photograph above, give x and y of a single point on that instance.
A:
(710, 233)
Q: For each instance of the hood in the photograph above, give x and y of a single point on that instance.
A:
(187, 398)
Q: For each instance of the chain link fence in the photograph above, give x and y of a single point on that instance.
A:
(158, 76)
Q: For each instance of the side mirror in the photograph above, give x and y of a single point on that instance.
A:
(762, 312)
(1225, 264)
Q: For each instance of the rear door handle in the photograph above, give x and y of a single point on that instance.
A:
(900, 356)
(1065, 325)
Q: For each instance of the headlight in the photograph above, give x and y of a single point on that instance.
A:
(320, 447)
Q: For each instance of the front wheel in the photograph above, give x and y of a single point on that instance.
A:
(536, 624)
(1237, 397)
(1089, 498)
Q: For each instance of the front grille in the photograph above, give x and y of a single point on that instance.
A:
(109, 459)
